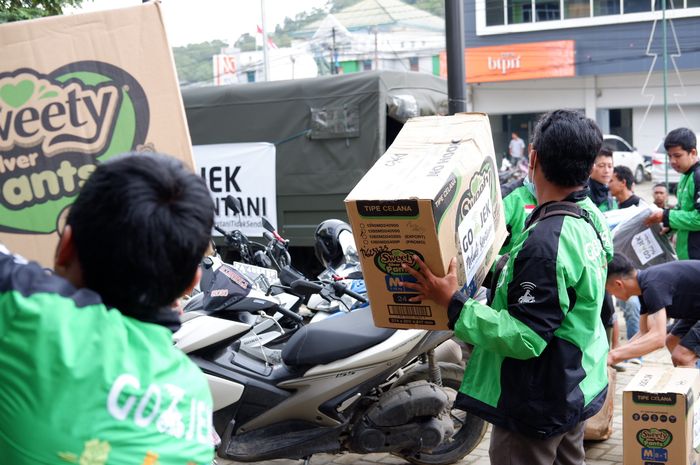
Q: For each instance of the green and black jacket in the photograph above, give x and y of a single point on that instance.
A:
(540, 350)
(518, 203)
(685, 217)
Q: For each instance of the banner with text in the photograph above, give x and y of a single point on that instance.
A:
(247, 172)
(514, 62)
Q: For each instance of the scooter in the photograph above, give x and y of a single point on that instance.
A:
(340, 384)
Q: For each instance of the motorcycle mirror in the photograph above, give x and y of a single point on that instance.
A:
(234, 204)
(354, 275)
(267, 225)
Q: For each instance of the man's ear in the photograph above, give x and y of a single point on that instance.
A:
(65, 250)
(195, 281)
(66, 263)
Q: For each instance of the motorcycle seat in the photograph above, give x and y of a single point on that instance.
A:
(334, 338)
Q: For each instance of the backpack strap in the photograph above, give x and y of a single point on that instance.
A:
(565, 208)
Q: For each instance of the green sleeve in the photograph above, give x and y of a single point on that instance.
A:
(497, 331)
(684, 220)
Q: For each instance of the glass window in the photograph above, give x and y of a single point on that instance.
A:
(519, 11)
(693, 3)
(670, 4)
(547, 10)
(413, 63)
(367, 65)
(606, 7)
(250, 75)
(494, 13)
(637, 6)
(577, 9)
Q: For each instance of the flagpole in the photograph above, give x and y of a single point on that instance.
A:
(264, 34)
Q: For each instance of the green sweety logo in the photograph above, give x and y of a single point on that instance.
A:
(54, 129)
(391, 261)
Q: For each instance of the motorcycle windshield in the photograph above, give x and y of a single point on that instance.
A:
(227, 288)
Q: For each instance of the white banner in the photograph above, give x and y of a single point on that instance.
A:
(247, 172)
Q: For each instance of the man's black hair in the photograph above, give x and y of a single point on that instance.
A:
(620, 266)
(660, 184)
(141, 224)
(625, 175)
(567, 144)
(604, 152)
(683, 137)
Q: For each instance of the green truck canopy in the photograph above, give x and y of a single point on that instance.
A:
(328, 131)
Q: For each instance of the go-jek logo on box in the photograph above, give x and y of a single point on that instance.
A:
(54, 129)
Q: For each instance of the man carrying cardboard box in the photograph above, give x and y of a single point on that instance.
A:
(87, 366)
(666, 290)
(538, 369)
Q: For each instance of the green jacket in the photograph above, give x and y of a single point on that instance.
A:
(684, 218)
(518, 203)
(82, 384)
(540, 350)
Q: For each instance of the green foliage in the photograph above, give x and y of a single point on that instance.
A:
(194, 61)
(19, 10)
(246, 43)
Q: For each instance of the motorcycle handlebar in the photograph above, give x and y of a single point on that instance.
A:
(342, 289)
(288, 313)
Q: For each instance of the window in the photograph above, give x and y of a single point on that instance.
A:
(577, 9)
(494, 12)
(366, 65)
(413, 64)
(250, 75)
(547, 10)
(511, 16)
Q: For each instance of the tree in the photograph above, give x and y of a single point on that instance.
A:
(194, 61)
(246, 43)
(18, 10)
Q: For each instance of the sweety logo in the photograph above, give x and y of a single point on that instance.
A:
(54, 129)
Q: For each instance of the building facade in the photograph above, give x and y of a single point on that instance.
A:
(604, 57)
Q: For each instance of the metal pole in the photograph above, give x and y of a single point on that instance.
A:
(665, 82)
(333, 61)
(454, 38)
(266, 62)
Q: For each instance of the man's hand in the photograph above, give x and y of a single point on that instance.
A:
(655, 217)
(613, 359)
(429, 286)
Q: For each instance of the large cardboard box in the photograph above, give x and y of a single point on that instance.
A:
(75, 91)
(660, 422)
(435, 194)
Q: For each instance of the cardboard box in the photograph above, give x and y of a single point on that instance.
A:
(435, 194)
(76, 90)
(660, 421)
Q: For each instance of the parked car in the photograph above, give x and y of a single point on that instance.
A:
(658, 167)
(625, 155)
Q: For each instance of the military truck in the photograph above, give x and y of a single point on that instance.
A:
(328, 131)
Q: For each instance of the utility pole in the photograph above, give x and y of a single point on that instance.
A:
(376, 50)
(454, 38)
(266, 62)
(334, 70)
(665, 79)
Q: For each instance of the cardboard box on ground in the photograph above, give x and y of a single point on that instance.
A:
(435, 194)
(661, 417)
(75, 91)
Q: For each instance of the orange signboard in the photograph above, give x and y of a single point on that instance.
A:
(517, 61)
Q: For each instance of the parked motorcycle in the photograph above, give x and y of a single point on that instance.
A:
(337, 385)
(513, 171)
(273, 255)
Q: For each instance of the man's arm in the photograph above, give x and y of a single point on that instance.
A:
(651, 336)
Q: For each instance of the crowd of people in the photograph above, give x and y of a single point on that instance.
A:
(97, 331)
(542, 344)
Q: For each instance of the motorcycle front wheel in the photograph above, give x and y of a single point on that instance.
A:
(469, 429)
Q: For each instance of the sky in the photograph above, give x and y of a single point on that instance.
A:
(194, 21)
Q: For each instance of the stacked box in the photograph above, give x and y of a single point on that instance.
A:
(661, 424)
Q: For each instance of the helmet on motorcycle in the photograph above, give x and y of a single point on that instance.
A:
(327, 245)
